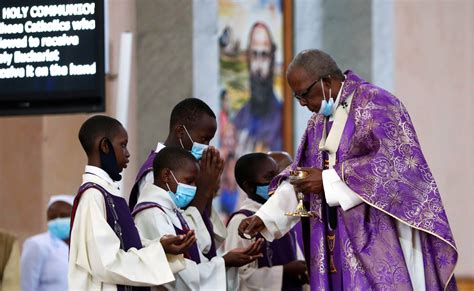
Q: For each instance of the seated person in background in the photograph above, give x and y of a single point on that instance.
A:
(106, 252)
(159, 212)
(44, 259)
(9, 262)
(282, 267)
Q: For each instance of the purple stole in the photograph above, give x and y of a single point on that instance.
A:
(276, 253)
(193, 251)
(145, 169)
(118, 218)
(210, 228)
(380, 159)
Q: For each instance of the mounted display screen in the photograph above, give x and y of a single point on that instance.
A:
(51, 56)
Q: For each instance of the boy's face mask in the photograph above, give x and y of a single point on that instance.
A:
(262, 191)
(198, 148)
(108, 162)
(60, 227)
(184, 193)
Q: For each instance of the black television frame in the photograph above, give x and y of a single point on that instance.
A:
(86, 101)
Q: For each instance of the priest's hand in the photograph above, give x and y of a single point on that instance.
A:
(239, 257)
(297, 271)
(178, 244)
(250, 227)
(312, 183)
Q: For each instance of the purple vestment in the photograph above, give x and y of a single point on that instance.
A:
(145, 169)
(118, 218)
(380, 159)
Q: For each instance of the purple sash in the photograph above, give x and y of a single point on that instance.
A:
(118, 218)
(193, 251)
(276, 253)
(145, 169)
(210, 228)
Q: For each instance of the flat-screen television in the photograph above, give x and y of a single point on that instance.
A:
(51, 56)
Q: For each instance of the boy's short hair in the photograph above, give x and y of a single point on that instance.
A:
(95, 127)
(247, 166)
(189, 111)
(172, 158)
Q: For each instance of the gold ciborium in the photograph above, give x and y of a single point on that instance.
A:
(300, 209)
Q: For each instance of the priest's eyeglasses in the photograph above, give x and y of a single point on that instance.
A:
(305, 93)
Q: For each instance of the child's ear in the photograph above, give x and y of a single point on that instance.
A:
(179, 131)
(165, 175)
(104, 145)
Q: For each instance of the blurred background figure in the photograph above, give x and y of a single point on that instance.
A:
(9, 262)
(44, 261)
(259, 120)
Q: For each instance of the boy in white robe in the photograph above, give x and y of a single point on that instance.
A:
(160, 212)
(283, 266)
(105, 248)
(192, 127)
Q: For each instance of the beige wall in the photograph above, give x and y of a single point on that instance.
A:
(41, 156)
(434, 67)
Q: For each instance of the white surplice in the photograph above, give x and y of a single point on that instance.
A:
(96, 261)
(337, 193)
(195, 221)
(154, 223)
(250, 276)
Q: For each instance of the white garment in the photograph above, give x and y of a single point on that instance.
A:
(153, 223)
(250, 276)
(96, 261)
(284, 200)
(44, 261)
(193, 216)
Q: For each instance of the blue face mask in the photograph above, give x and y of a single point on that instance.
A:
(184, 193)
(198, 148)
(262, 191)
(60, 227)
(326, 106)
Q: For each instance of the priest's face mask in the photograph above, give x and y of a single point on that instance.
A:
(308, 90)
(114, 153)
(258, 188)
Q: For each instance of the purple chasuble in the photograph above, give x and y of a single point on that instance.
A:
(276, 253)
(380, 159)
(193, 251)
(145, 169)
(118, 218)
